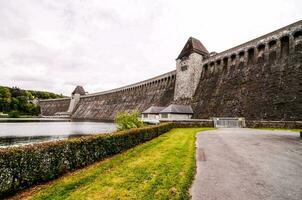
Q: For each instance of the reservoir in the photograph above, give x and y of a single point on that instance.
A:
(20, 133)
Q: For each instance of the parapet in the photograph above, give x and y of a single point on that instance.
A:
(161, 79)
(278, 44)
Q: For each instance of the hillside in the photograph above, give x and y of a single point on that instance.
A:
(15, 101)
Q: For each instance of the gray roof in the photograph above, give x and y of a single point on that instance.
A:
(153, 110)
(193, 45)
(178, 109)
(79, 90)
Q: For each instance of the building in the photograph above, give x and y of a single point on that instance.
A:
(172, 112)
(152, 112)
(176, 112)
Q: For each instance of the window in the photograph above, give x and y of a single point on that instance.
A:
(251, 54)
(164, 115)
(205, 67)
(272, 44)
(241, 54)
(145, 115)
(298, 35)
(284, 46)
(184, 68)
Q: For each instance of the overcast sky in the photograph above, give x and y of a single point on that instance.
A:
(54, 45)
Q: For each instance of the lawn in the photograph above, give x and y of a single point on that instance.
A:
(163, 168)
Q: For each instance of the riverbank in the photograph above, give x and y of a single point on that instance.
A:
(159, 169)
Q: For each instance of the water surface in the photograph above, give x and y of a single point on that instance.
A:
(16, 133)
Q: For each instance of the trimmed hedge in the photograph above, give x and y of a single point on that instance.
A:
(25, 166)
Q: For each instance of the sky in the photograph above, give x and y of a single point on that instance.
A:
(54, 45)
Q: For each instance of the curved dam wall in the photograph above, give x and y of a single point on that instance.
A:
(139, 96)
(51, 106)
(260, 79)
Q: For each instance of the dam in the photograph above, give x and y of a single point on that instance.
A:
(257, 80)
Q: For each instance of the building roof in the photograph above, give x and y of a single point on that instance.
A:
(153, 110)
(193, 45)
(178, 109)
(79, 90)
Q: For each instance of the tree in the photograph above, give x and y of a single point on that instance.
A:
(5, 99)
(19, 101)
(128, 120)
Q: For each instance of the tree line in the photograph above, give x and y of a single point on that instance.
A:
(15, 101)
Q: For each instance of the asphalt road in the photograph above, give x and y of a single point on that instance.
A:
(245, 164)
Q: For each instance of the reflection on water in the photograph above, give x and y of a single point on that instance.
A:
(25, 133)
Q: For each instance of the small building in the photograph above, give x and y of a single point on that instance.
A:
(152, 112)
(176, 112)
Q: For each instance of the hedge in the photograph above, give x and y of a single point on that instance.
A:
(25, 166)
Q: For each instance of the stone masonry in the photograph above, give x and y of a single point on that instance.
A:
(258, 80)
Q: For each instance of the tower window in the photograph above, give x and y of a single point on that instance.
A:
(184, 68)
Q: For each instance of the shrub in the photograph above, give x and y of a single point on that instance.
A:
(25, 166)
(14, 114)
(128, 120)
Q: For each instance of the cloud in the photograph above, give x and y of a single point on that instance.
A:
(55, 45)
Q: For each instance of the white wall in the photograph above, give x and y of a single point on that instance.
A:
(177, 116)
(151, 116)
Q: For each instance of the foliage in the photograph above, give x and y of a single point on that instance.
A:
(128, 120)
(16, 99)
(160, 169)
(24, 166)
(14, 114)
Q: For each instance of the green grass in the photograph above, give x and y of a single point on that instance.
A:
(159, 169)
(278, 129)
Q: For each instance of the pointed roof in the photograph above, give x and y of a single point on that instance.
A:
(193, 45)
(178, 109)
(79, 90)
(153, 110)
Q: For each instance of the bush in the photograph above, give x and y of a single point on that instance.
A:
(14, 114)
(25, 166)
(128, 120)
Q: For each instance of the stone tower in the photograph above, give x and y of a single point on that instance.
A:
(188, 68)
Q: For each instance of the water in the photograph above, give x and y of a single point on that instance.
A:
(19, 133)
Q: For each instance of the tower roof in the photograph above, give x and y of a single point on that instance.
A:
(79, 90)
(193, 45)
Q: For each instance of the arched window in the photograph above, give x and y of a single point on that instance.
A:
(284, 46)
(298, 35)
(225, 61)
(272, 44)
(206, 67)
(251, 55)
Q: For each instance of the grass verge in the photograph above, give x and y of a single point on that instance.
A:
(163, 168)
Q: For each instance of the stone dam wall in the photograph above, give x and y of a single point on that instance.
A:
(104, 106)
(258, 80)
(51, 106)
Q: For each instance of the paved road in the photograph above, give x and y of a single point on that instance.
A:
(245, 164)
